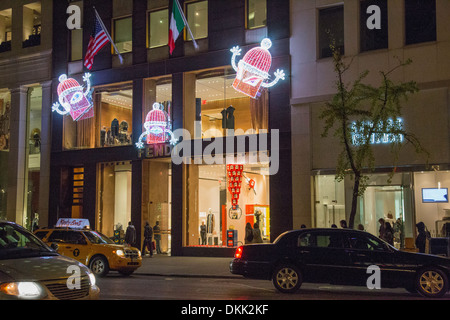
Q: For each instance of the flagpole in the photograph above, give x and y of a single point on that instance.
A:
(107, 34)
(186, 23)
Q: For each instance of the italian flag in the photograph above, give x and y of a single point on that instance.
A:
(176, 25)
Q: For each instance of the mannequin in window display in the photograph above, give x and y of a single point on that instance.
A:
(123, 132)
(228, 118)
(115, 129)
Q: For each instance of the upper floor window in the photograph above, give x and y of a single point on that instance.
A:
(31, 24)
(331, 30)
(123, 34)
(5, 30)
(158, 28)
(197, 17)
(111, 123)
(420, 21)
(76, 37)
(372, 37)
(256, 14)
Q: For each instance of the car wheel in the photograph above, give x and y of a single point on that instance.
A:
(99, 266)
(432, 283)
(287, 278)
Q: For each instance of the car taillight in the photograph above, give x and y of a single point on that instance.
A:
(238, 253)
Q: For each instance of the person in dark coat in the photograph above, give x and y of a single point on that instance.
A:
(148, 237)
(257, 238)
(382, 228)
(389, 234)
(248, 233)
(421, 239)
(130, 235)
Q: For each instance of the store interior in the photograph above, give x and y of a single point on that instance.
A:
(211, 204)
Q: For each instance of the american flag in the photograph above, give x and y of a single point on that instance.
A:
(97, 41)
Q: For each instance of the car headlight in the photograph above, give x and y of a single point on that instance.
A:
(92, 278)
(120, 253)
(23, 290)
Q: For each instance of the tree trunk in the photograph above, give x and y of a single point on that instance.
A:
(351, 221)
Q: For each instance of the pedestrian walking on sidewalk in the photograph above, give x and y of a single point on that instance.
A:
(157, 233)
(148, 238)
(130, 235)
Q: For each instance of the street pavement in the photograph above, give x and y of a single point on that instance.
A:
(182, 266)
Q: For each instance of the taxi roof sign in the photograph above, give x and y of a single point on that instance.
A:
(72, 223)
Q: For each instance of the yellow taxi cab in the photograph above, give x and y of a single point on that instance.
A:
(73, 238)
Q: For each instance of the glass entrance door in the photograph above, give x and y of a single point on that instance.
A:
(157, 188)
(386, 202)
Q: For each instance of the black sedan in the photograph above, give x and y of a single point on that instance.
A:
(340, 256)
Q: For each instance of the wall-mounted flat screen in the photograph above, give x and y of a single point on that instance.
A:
(434, 195)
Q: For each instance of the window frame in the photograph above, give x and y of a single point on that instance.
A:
(113, 36)
(405, 21)
(319, 47)
(149, 12)
(186, 14)
(247, 6)
(373, 40)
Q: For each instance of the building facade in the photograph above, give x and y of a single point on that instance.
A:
(25, 110)
(113, 164)
(416, 30)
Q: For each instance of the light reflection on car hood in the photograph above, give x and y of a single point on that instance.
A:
(38, 268)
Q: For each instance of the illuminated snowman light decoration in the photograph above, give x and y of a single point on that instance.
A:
(73, 99)
(253, 70)
(156, 128)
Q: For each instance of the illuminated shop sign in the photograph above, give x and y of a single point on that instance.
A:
(157, 150)
(359, 138)
(74, 99)
(252, 72)
(157, 128)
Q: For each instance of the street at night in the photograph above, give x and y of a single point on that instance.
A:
(142, 287)
(269, 152)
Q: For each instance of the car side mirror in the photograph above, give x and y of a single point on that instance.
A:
(54, 246)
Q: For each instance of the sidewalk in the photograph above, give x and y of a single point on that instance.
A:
(201, 267)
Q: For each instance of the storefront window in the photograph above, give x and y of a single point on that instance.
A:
(330, 201)
(113, 197)
(157, 194)
(392, 202)
(431, 201)
(34, 156)
(212, 207)
(111, 124)
(5, 114)
(217, 108)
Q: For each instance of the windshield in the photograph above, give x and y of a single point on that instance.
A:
(97, 238)
(16, 242)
